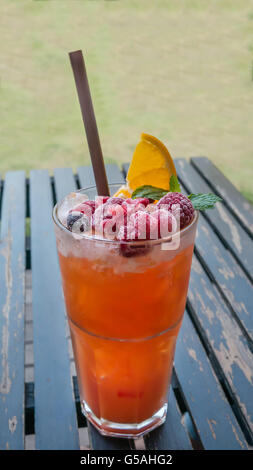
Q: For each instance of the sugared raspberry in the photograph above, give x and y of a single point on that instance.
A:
(115, 200)
(144, 201)
(140, 226)
(101, 200)
(107, 219)
(145, 226)
(167, 223)
(86, 207)
(186, 209)
(133, 205)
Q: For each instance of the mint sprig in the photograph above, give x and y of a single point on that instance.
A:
(174, 184)
(151, 192)
(200, 201)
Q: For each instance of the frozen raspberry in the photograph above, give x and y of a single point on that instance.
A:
(134, 205)
(130, 201)
(186, 209)
(145, 226)
(144, 201)
(140, 201)
(167, 223)
(140, 226)
(115, 200)
(86, 207)
(101, 200)
(107, 220)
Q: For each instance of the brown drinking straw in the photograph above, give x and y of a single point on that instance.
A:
(89, 120)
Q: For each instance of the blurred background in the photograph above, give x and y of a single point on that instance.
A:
(180, 70)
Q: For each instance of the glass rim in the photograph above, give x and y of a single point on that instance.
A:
(135, 243)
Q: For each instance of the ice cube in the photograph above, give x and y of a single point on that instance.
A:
(68, 203)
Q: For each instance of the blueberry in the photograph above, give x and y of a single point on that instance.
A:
(82, 224)
(72, 218)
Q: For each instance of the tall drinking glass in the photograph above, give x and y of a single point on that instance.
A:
(125, 304)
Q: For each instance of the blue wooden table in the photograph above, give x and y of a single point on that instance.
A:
(211, 397)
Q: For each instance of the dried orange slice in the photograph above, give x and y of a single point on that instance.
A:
(151, 164)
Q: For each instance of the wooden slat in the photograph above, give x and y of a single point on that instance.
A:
(12, 275)
(99, 442)
(87, 179)
(86, 176)
(30, 406)
(125, 167)
(222, 186)
(114, 174)
(227, 275)
(1, 190)
(212, 414)
(172, 434)
(64, 182)
(223, 221)
(225, 341)
(55, 414)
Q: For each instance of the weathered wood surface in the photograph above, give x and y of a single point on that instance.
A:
(210, 403)
(225, 189)
(172, 435)
(222, 267)
(12, 274)
(225, 341)
(215, 422)
(223, 222)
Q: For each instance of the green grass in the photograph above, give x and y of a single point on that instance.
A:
(180, 70)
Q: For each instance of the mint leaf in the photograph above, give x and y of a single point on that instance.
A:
(151, 192)
(154, 193)
(202, 202)
(174, 184)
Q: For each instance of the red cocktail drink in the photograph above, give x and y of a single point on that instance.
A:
(124, 313)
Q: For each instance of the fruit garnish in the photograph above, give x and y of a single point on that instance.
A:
(86, 207)
(202, 202)
(123, 191)
(184, 209)
(78, 222)
(151, 164)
